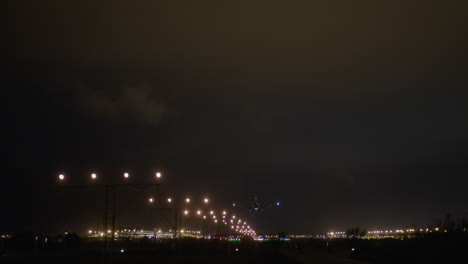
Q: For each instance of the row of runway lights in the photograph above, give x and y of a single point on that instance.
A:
(224, 219)
(169, 200)
(134, 231)
(397, 231)
(427, 230)
(391, 231)
(94, 176)
(245, 231)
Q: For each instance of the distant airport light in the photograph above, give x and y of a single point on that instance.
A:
(61, 177)
(205, 200)
(186, 212)
(187, 200)
(93, 176)
(126, 175)
(158, 175)
(211, 212)
(151, 200)
(198, 212)
(224, 212)
(169, 200)
(277, 203)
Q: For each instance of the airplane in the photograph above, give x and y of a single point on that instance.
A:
(256, 206)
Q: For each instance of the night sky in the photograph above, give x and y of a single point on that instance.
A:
(351, 113)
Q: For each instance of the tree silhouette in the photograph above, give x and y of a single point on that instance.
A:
(355, 232)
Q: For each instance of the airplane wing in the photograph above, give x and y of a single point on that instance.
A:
(237, 205)
(273, 204)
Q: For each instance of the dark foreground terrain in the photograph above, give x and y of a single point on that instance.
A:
(438, 249)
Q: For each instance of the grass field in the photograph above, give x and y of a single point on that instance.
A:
(444, 249)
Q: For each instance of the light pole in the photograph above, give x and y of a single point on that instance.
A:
(203, 226)
(158, 181)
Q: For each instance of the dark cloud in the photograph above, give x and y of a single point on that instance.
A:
(134, 104)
